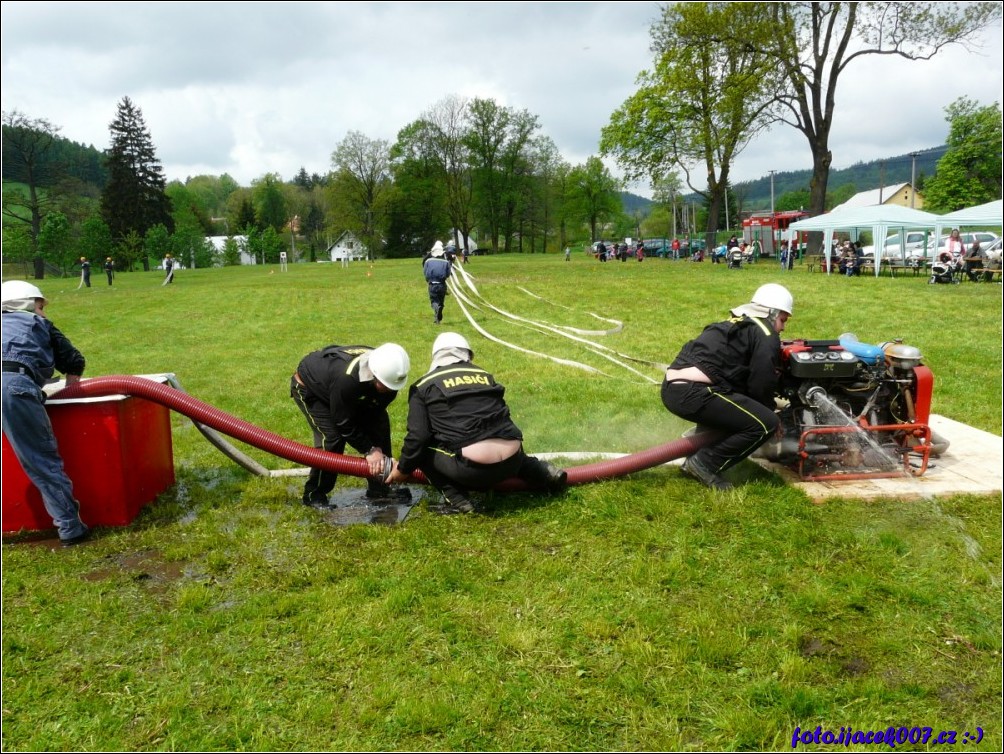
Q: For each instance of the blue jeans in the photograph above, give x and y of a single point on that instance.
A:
(29, 432)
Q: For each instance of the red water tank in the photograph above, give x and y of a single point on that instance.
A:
(117, 452)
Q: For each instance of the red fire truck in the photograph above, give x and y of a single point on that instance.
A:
(770, 229)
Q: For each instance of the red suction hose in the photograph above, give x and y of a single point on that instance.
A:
(270, 442)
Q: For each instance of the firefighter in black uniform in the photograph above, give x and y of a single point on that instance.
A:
(725, 381)
(344, 392)
(460, 433)
(437, 270)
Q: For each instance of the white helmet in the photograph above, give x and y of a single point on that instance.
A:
(437, 249)
(450, 340)
(390, 364)
(18, 290)
(774, 296)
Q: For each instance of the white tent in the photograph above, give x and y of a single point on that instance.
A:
(989, 214)
(878, 219)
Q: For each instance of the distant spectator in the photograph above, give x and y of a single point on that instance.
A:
(975, 261)
(955, 246)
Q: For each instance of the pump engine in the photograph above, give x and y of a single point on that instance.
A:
(854, 411)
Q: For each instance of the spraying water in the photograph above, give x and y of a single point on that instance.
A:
(860, 447)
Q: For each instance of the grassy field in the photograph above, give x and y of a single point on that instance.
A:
(643, 613)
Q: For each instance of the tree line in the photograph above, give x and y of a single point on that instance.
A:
(467, 166)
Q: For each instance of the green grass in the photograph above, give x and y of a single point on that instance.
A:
(644, 613)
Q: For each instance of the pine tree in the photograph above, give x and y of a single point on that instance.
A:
(134, 200)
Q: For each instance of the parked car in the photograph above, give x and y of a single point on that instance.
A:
(658, 247)
(914, 241)
(984, 237)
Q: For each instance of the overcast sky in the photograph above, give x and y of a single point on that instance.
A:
(250, 88)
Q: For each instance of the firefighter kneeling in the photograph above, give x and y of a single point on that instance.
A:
(460, 434)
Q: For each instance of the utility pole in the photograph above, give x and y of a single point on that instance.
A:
(913, 179)
(771, 190)
(673, 195)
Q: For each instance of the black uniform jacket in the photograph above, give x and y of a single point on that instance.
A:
(358, 410)
(742, 354)
(452, 407)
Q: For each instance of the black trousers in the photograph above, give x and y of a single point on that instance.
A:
(320, 482)
(747, 424)
(437, 297)
(455, 476)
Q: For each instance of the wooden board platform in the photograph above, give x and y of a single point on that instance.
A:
(974, 464)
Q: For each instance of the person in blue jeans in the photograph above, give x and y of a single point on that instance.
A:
(33, 349)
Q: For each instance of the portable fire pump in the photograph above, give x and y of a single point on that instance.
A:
(850, 410)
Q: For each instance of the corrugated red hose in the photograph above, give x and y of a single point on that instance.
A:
(270, 442)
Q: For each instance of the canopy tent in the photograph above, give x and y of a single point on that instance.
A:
(989, 214)
(879, 219)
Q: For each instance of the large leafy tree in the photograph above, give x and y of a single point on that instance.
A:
(442, 135)
(156, 244)
(970, 171)
(594, 194)
(702, 103)
(813, 43)
(210, 194)
(19, 246)
(559, 187)
(134, 198)
(417, 208)
(271, 209)
(546, 189)
(55, 241)
(312, 225)
(96, 241)
(361, 186)
(496, 139)
(26, 143)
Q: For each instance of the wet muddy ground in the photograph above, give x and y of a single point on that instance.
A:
(353, 507)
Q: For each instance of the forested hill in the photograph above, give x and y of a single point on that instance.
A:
(64, 159)
(863, 176)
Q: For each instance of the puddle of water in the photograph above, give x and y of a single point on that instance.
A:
(145, 566)
(353, 507)
(46, 540)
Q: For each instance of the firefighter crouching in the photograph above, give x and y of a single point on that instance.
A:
(460, 433)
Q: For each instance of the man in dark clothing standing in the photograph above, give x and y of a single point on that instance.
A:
(460, 433)
(110, 269)
(33, 349)
(725, 381)
(85, 272)
(437, 270)
(344, 391)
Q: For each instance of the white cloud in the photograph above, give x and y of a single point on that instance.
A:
(250, 88)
